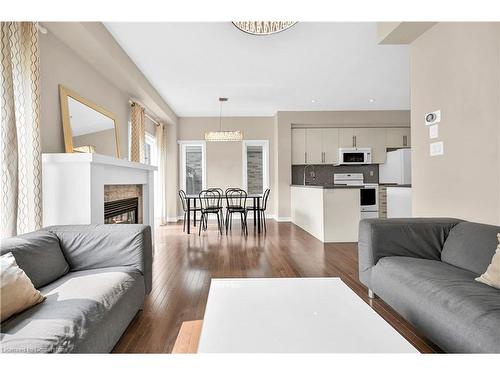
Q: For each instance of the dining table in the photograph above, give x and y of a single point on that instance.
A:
(192, 201)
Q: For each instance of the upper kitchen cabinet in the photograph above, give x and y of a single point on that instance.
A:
(298, 146)
(374, 138)
(314, 146)
(346, 137)
(397, 137)
(330, 145)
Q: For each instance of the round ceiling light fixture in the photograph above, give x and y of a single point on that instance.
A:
(263, 27)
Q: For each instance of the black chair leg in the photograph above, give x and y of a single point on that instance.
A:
(222, 217)
(184, 223)
(226, 222)
(219, 224)
(264, 221)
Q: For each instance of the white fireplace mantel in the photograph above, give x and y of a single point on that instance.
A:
(73, 186)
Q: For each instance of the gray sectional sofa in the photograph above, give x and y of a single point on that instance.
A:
(95, 278)
(425, 268)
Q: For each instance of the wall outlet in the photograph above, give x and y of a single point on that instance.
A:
(433, 117)
(437, 148)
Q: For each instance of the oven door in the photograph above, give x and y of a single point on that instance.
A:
(369, 198)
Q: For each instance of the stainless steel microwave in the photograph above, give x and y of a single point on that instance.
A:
(352, 156)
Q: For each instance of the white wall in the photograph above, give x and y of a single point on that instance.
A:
(455, 67)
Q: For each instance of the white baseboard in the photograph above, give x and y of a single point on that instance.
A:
(283, 219)
(174, 219)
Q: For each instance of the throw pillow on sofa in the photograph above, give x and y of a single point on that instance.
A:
(492, 275)
(17, 292)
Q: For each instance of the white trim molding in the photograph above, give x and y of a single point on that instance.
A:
(283, 219)
(182, 161)
(265, 162)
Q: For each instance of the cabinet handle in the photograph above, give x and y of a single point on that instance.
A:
(324, 157)
(353, 141)
(305, 157)
(405, 140)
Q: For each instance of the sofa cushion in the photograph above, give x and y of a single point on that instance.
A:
(16, 289)
(491, 276)
(470, 246)
(442, 301)
(38, 254)
(85, 311)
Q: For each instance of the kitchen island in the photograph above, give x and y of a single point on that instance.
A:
(331, 214)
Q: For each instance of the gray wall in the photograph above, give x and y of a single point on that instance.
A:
(225, 159)
(455, 67)
(60, 65)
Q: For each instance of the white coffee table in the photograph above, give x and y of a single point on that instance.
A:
(293, 315)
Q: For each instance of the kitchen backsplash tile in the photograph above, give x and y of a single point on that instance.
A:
(324, 173)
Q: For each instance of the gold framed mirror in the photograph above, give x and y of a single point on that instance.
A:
(87, 127)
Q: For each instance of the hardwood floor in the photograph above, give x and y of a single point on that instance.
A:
(184, 264)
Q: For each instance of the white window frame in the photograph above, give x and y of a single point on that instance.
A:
(151, 140)
(265, 161)
(182, 162)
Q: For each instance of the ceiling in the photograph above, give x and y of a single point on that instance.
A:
(309, 67)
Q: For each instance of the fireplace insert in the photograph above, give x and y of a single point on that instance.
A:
(122, 211)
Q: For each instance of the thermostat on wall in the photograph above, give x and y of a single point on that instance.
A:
(433, 117)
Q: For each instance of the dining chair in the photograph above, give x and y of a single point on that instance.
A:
(261, 210)
(182, 196)
(220, 203)
(236, 200)
(209, 201)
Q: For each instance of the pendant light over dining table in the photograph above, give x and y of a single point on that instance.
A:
(223, 136)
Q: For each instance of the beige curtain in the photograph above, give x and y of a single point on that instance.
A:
(137, 133)
(20, 150)
(161, 149)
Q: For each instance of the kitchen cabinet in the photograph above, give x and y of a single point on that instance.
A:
(330, 145)
(397, 137)
(298, 146)
(320, 145)
(314, 146)
(374, 138)
(346, 137)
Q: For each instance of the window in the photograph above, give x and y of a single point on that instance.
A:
(192, 167)
(255, 166)
(150, 150)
